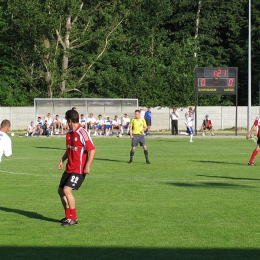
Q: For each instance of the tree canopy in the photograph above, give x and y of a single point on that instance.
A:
(145, 49)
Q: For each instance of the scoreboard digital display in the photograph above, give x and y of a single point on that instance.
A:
(216, 80)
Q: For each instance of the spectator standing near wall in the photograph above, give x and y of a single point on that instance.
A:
(174, 115)
(148, 120)
(142, 112)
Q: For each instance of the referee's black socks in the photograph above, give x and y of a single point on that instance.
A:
(146, 154)
(131, 155)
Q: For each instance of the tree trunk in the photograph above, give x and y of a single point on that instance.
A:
(65, 59)
(48, 73)
(197, 29)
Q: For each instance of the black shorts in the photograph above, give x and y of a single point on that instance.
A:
(258, 141)
(148, 122)
(72, 180)
(138, 139)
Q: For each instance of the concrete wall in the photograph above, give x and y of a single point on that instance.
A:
(222, 117)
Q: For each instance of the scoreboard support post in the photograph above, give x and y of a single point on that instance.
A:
(215, 80)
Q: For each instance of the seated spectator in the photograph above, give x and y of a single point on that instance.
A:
(82, 121)
(108, 125)
(31, 129)
(99, 127)
(64, 126)
(116, 124)
(207, 124)
(49, 121)
(46, 128)
(56, 125)
(91, 121)
(125, 124)
(39, 124)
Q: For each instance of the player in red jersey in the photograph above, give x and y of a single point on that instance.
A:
(80, 152)
(249, 135)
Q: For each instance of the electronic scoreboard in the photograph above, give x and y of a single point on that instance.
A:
(216, 80)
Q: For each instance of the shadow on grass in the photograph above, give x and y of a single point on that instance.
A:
(217, 162)
(228, 177)
(110, 160)
(206, 184)
(52, 148)
(123, 253)
(29, 214)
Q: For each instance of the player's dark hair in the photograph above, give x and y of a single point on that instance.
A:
(5, 123)
(137, 110)
(72, 115)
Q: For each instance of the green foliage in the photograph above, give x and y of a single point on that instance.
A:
(127, 49)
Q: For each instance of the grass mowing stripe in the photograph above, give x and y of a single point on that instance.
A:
(195, 201)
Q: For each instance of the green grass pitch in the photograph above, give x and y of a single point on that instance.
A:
(194, 201)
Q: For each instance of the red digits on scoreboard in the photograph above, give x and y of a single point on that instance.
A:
(203, 82)
(220, 73)
(217, 73)
(231, 82)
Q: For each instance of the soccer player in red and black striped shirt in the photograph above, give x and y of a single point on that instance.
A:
(80, 152)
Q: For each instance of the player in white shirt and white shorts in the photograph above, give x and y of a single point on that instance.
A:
(5, 141)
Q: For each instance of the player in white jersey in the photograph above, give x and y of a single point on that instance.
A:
(189, 125)
(99, 126)
(49, 121)
(5, 141)
(64, 126)
(31, 129)
(56, 125)
(116, 124)
(39, 125)
(91, 121)
(108, 125)
(250, 135)
(82, 121)
(125, 124)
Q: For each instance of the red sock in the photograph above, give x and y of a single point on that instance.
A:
(67, 213)
(254, 154)
(73, 214)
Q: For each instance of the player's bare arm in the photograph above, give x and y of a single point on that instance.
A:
(63, 158)
(131, 132)
(250, 132)
(91, 156)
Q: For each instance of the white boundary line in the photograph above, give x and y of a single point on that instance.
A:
(29, 174)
